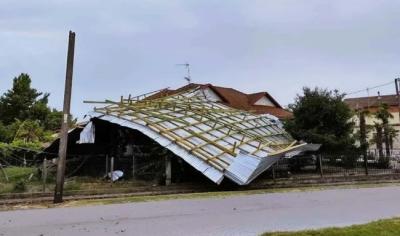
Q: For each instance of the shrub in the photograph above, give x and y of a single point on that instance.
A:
(20, 186)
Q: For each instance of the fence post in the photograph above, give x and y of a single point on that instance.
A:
(321, 172)
(44, 174)
(273, 170)
(112, 170)
(133, 167)
(106, 166)
(366, 164)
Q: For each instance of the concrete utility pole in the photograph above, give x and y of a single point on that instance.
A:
(397, 81)
(62, 152)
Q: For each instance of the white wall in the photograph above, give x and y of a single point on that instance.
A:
(264, 101)
(210, 95)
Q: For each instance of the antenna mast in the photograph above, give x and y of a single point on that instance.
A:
(188, 78)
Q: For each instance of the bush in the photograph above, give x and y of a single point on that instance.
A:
(20, 186)
(383, 162)
(350, 161)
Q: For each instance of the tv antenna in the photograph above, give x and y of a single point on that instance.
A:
(188, 78)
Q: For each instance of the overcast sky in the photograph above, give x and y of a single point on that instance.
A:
(131, 47)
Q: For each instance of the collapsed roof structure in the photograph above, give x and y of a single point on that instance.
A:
(217, 140)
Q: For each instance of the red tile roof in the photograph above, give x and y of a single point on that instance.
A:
(235, 99)
(370, 102)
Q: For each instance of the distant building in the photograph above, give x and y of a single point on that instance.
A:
(259, 103)
(372, 104)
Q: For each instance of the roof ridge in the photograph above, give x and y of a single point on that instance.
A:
(388, 95)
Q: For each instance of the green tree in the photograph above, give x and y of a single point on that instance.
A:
(22, 102)
(5, 134)
(383, 115)
(29, 131)
(363, 134)
(392, 135)
(321, 116)
(53, 120)
(17, 102)
(378, 139)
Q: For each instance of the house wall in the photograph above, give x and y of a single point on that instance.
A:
(370, 120)
(210, 95)
(264, 101)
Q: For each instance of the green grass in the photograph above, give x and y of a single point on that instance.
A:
(389, 227)
(18, 179)
(6, 187)
(16, 174)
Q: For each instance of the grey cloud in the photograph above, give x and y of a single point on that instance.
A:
(132, 46)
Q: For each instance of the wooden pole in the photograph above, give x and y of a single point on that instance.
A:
(44, 174)
(397, 81)
(62, 152)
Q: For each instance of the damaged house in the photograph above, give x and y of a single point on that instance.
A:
(197, 130)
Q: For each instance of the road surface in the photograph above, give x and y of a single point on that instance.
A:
(234, 215)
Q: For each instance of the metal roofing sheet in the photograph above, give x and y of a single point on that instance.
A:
(215, 139)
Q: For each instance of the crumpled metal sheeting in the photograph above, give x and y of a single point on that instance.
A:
(209, 171)
(245, 168)
(242, 170)
(87, 135)
(215, 139)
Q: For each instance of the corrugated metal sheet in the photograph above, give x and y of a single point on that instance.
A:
(216, 140)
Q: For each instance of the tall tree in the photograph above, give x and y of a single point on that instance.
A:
(363, 132)
(5, 133)
(321, 116)
(378, 139)
(363, 137)
(22, 102)
(384, 115)
(392, 135)
(17, 102)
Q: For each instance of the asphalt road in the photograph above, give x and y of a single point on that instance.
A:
(235, 215)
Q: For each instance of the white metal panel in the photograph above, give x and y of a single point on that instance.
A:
(87, 135)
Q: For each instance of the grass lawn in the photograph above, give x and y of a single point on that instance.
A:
(17, 173)
(390, 227)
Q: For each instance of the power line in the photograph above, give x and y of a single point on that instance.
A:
(369, 88)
